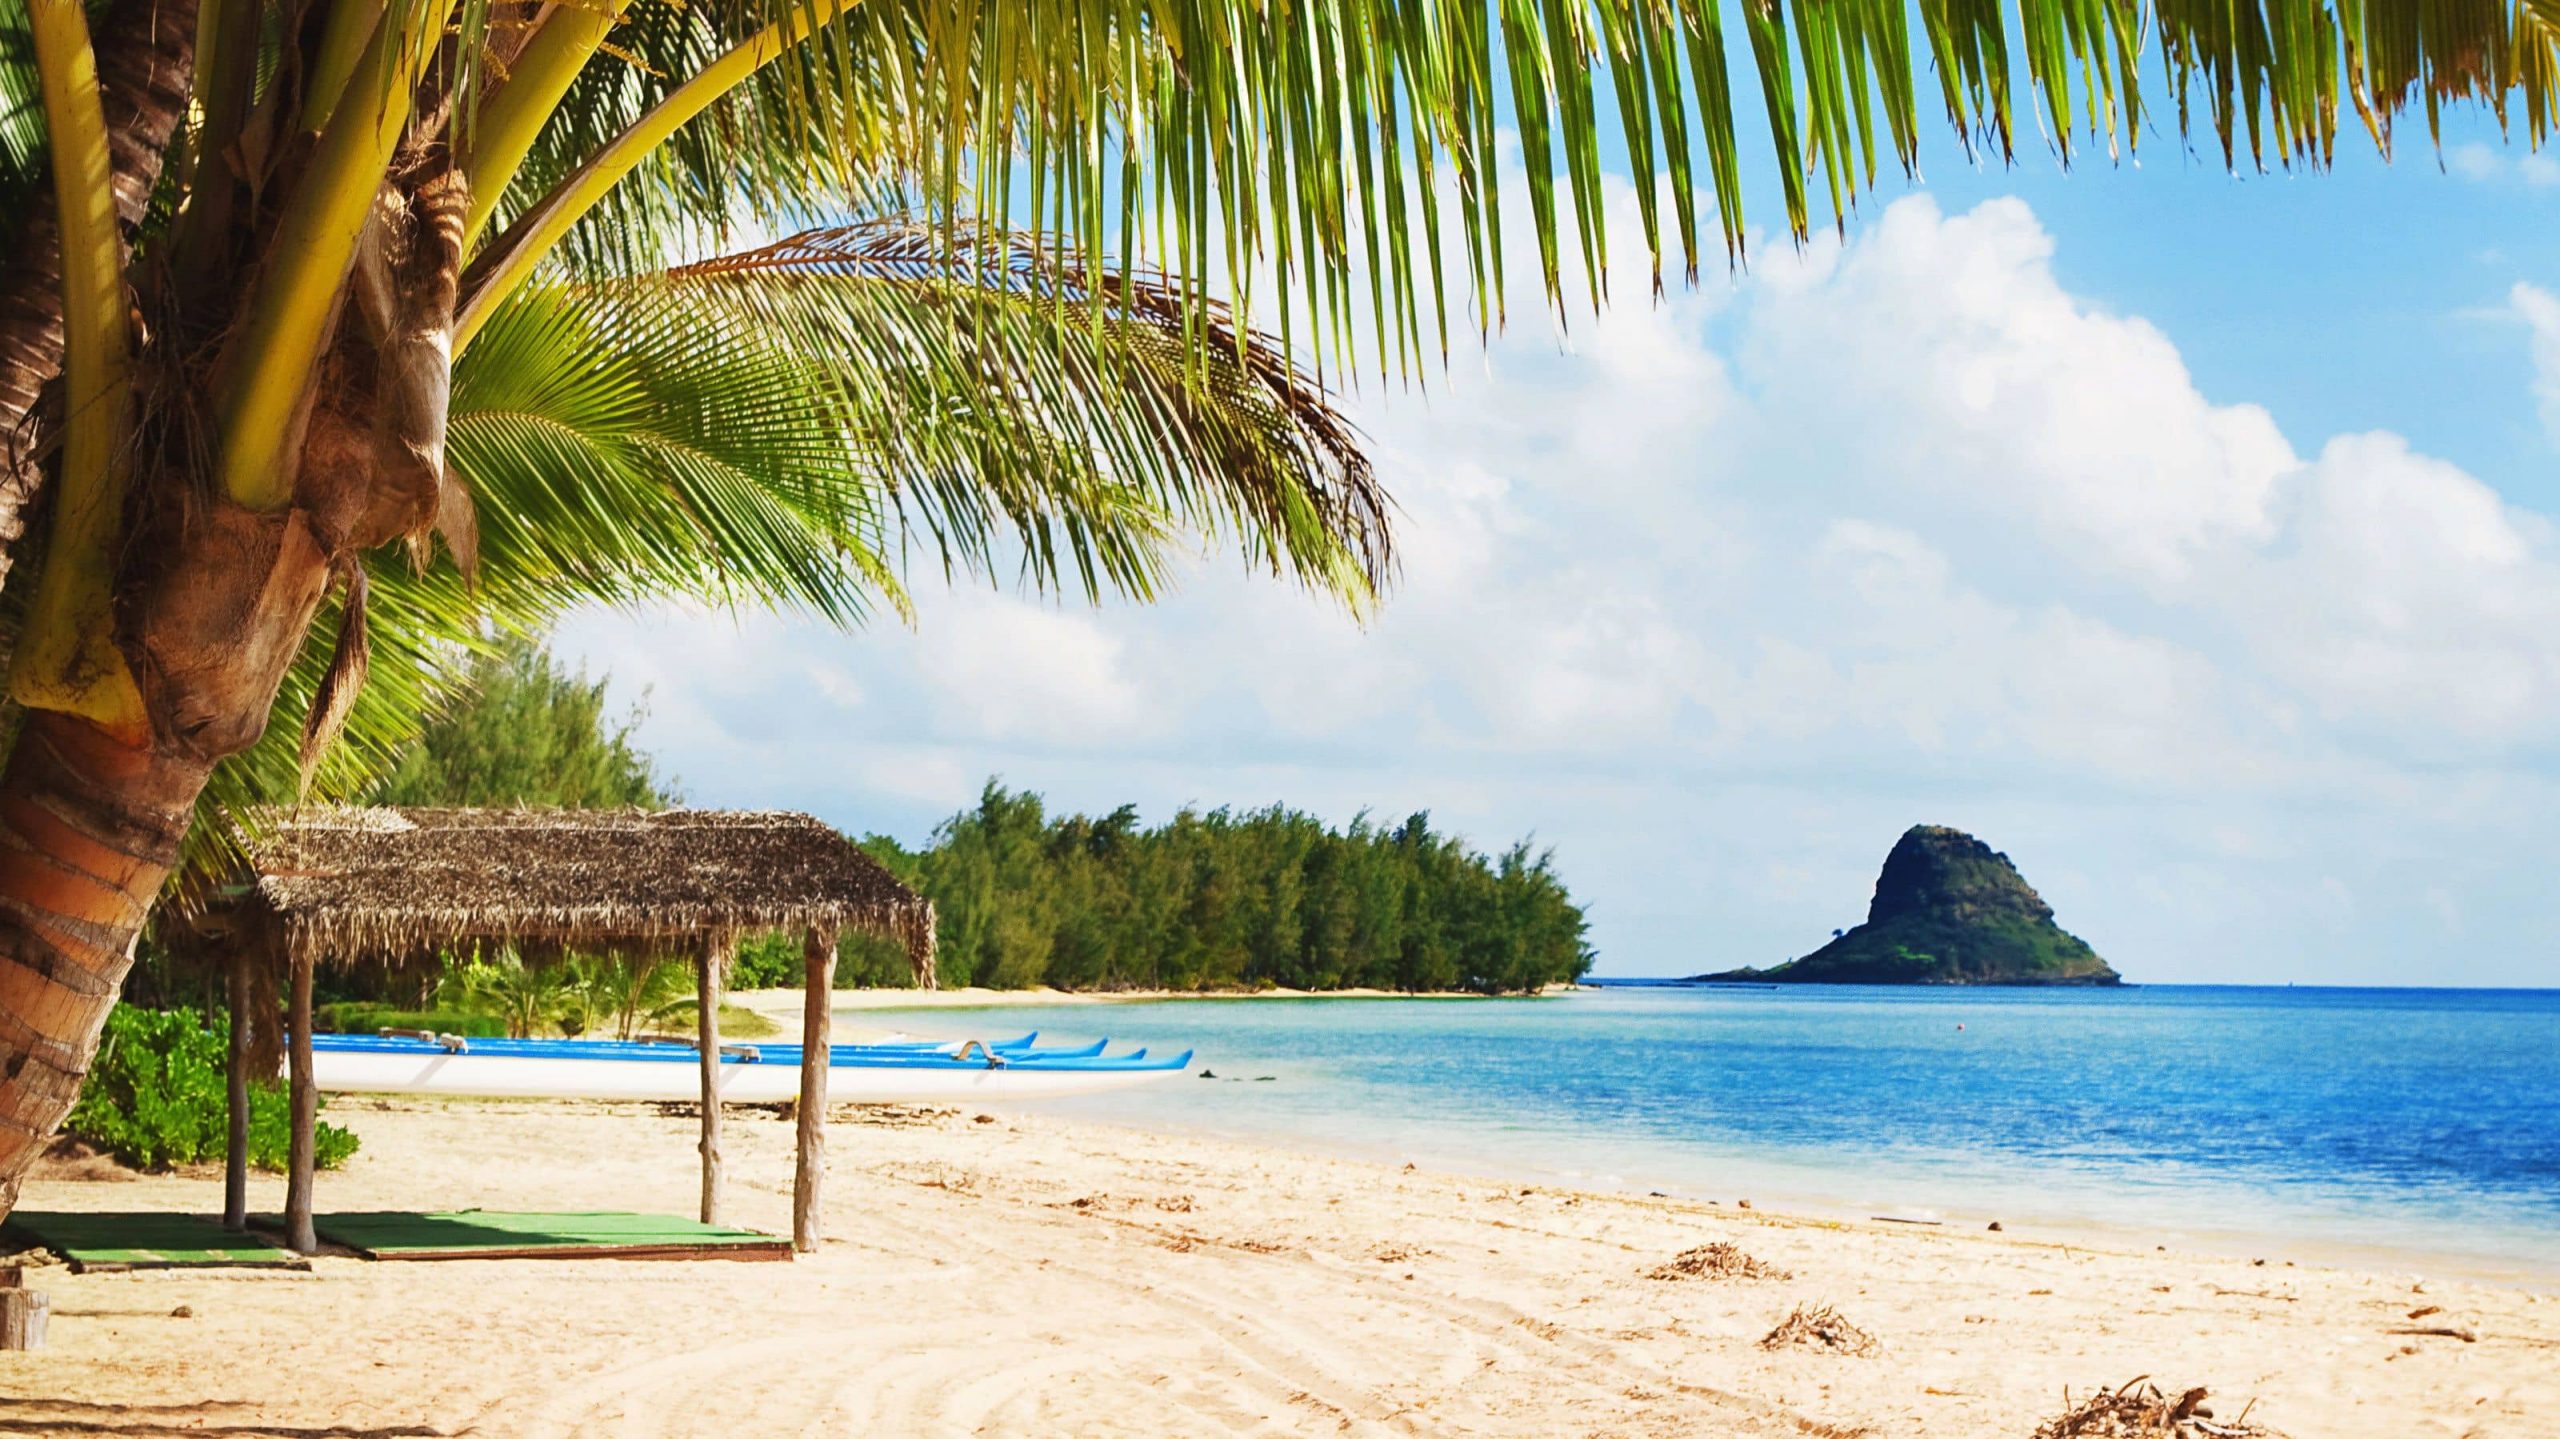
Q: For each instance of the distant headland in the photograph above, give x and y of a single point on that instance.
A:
(1949, 909)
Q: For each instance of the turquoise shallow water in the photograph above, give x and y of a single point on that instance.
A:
(2357, 1123)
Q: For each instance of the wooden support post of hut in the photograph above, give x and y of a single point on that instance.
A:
(23, 1311)
(302, 1153)
(817, 1035)
(387, 886)
(235, 1152)
(707, 976)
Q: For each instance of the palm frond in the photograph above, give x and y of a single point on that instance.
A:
(1000, 384)
(779, 427)
(777, 153)
(616, 455)
(1312, 149)
(22, 134)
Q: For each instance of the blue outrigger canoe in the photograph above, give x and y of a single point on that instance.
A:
(891, 1072)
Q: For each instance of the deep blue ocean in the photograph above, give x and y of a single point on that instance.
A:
(2369, 1124)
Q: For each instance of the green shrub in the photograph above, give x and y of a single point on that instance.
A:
(156, 1096)
(774, 960)
(527, 1000)
(771, 960)
(355, 1016)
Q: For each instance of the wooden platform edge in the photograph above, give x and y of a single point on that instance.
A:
(286, 1261)
(771, 1247)
(778, 1249)
(284, 1258)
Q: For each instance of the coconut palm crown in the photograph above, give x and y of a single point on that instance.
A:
(334, 328)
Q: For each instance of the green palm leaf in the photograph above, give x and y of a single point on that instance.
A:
(1312, 147)
(1002, 387)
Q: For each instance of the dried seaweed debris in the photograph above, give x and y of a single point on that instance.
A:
(1823, 1329)
(2137, 1409)
(1715, 1261)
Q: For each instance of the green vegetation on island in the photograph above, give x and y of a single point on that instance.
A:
(1948, 909)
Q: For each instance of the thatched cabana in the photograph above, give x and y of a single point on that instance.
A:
(352, 886)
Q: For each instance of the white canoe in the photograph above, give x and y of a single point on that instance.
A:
(428, 1069)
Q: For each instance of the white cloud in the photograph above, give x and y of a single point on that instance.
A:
(2485, 164)
(1002, 668)
(1972, 380)
(2392, 592)
(2409, 602)
(2475, 161)
(1724, 593)
(2540, 311)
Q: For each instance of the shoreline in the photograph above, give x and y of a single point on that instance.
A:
(1819, 1186)
(1805, 1196)
(784, 1004)
(1021, 1273)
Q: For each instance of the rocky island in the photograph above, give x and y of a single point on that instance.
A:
(1949, 909)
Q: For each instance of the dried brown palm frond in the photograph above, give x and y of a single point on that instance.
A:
(2137, 1409)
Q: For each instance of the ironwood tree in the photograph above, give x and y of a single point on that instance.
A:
(523, 730)
(1222, 899)
(297, 283)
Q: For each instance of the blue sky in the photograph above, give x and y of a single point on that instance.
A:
(2188, 537)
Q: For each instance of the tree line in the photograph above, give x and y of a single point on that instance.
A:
(1214, 899)
(1222, 899)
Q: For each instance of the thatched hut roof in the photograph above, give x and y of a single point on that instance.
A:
(350, 884)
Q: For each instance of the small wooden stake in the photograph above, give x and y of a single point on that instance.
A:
(817, 1028)
(235, 1154)
(707, 1035)
(298, 1234)
(22, 1318)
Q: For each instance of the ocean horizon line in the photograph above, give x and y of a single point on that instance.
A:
(1612, 981)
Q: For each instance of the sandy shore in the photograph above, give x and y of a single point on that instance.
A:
(1010, 1274)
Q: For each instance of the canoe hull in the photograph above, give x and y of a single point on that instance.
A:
(485, 1076)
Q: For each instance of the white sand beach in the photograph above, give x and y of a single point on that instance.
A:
(1003, 1274)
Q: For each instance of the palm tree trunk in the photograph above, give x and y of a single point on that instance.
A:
(90, 826)
(88, 830)
(146, 67)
